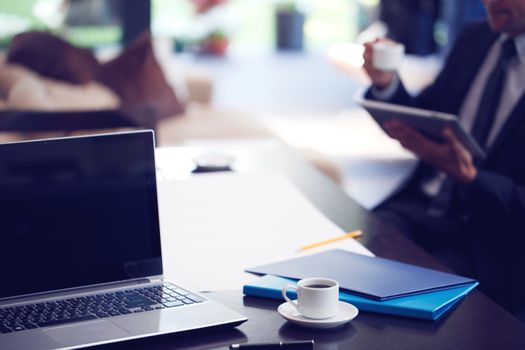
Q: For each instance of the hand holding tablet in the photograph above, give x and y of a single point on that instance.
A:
(449, 156)
(429, 123)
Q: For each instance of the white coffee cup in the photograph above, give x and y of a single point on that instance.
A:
(388, 55)
(317, 298)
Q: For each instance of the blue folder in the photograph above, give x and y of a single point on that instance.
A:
(429, 306)
(371, 277)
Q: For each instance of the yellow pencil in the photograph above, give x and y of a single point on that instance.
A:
(353, 234)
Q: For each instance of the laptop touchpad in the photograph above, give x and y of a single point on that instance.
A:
(86, 332)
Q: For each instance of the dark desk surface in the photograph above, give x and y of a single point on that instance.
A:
(476, 323)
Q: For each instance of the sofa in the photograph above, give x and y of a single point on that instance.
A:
(41, 72)
(38, 95)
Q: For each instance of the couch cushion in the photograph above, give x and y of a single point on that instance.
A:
(10, 74)
(137, 78)
(52, 57)
(34, 93)
(210, 123)
(23, 89)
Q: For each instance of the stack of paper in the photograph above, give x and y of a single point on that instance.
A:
(214, 226)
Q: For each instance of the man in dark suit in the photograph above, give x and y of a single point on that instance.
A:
(470, 214)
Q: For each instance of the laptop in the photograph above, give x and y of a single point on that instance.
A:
(81, 261)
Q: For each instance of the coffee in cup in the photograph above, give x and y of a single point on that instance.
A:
(388, 55)
(317, 298)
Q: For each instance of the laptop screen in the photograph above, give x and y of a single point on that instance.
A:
(77, 211)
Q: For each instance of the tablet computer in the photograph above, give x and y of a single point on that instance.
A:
(430, 123)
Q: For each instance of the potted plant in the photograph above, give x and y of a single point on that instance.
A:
(210, 20)
(289, 26)
(216, 43)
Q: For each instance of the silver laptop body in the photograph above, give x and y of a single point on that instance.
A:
(59, 280)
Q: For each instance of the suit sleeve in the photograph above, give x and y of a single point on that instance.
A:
(495, 195)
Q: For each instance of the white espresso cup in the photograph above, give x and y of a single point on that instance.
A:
(388, 55)
(317, 298)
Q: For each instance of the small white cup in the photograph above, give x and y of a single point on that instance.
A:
(317, 298)
(388, 55)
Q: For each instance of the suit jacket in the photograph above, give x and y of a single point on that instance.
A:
(418, 33)
(494, 205)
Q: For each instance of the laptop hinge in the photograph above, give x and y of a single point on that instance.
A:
(156, 279)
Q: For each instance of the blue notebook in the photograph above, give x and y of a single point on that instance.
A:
(429, 306)
(371, 277)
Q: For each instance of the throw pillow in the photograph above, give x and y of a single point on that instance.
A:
(52, 57)
(137, 78)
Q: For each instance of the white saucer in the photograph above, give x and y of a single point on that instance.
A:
(347, 312)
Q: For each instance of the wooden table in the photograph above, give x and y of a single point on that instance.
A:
(476, 322)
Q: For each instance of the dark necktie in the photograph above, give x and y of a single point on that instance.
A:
(489, 103)
(486, 114)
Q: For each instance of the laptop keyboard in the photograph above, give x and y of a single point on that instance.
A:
(56, 312)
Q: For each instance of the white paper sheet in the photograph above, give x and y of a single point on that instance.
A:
(370, 181)
(373, 165)
(214, 226)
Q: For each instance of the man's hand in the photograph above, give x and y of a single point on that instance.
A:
(450, 157)
(380, 78)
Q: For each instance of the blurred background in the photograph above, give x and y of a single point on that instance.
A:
(249, 32)
(289, 67)
(246, 23)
